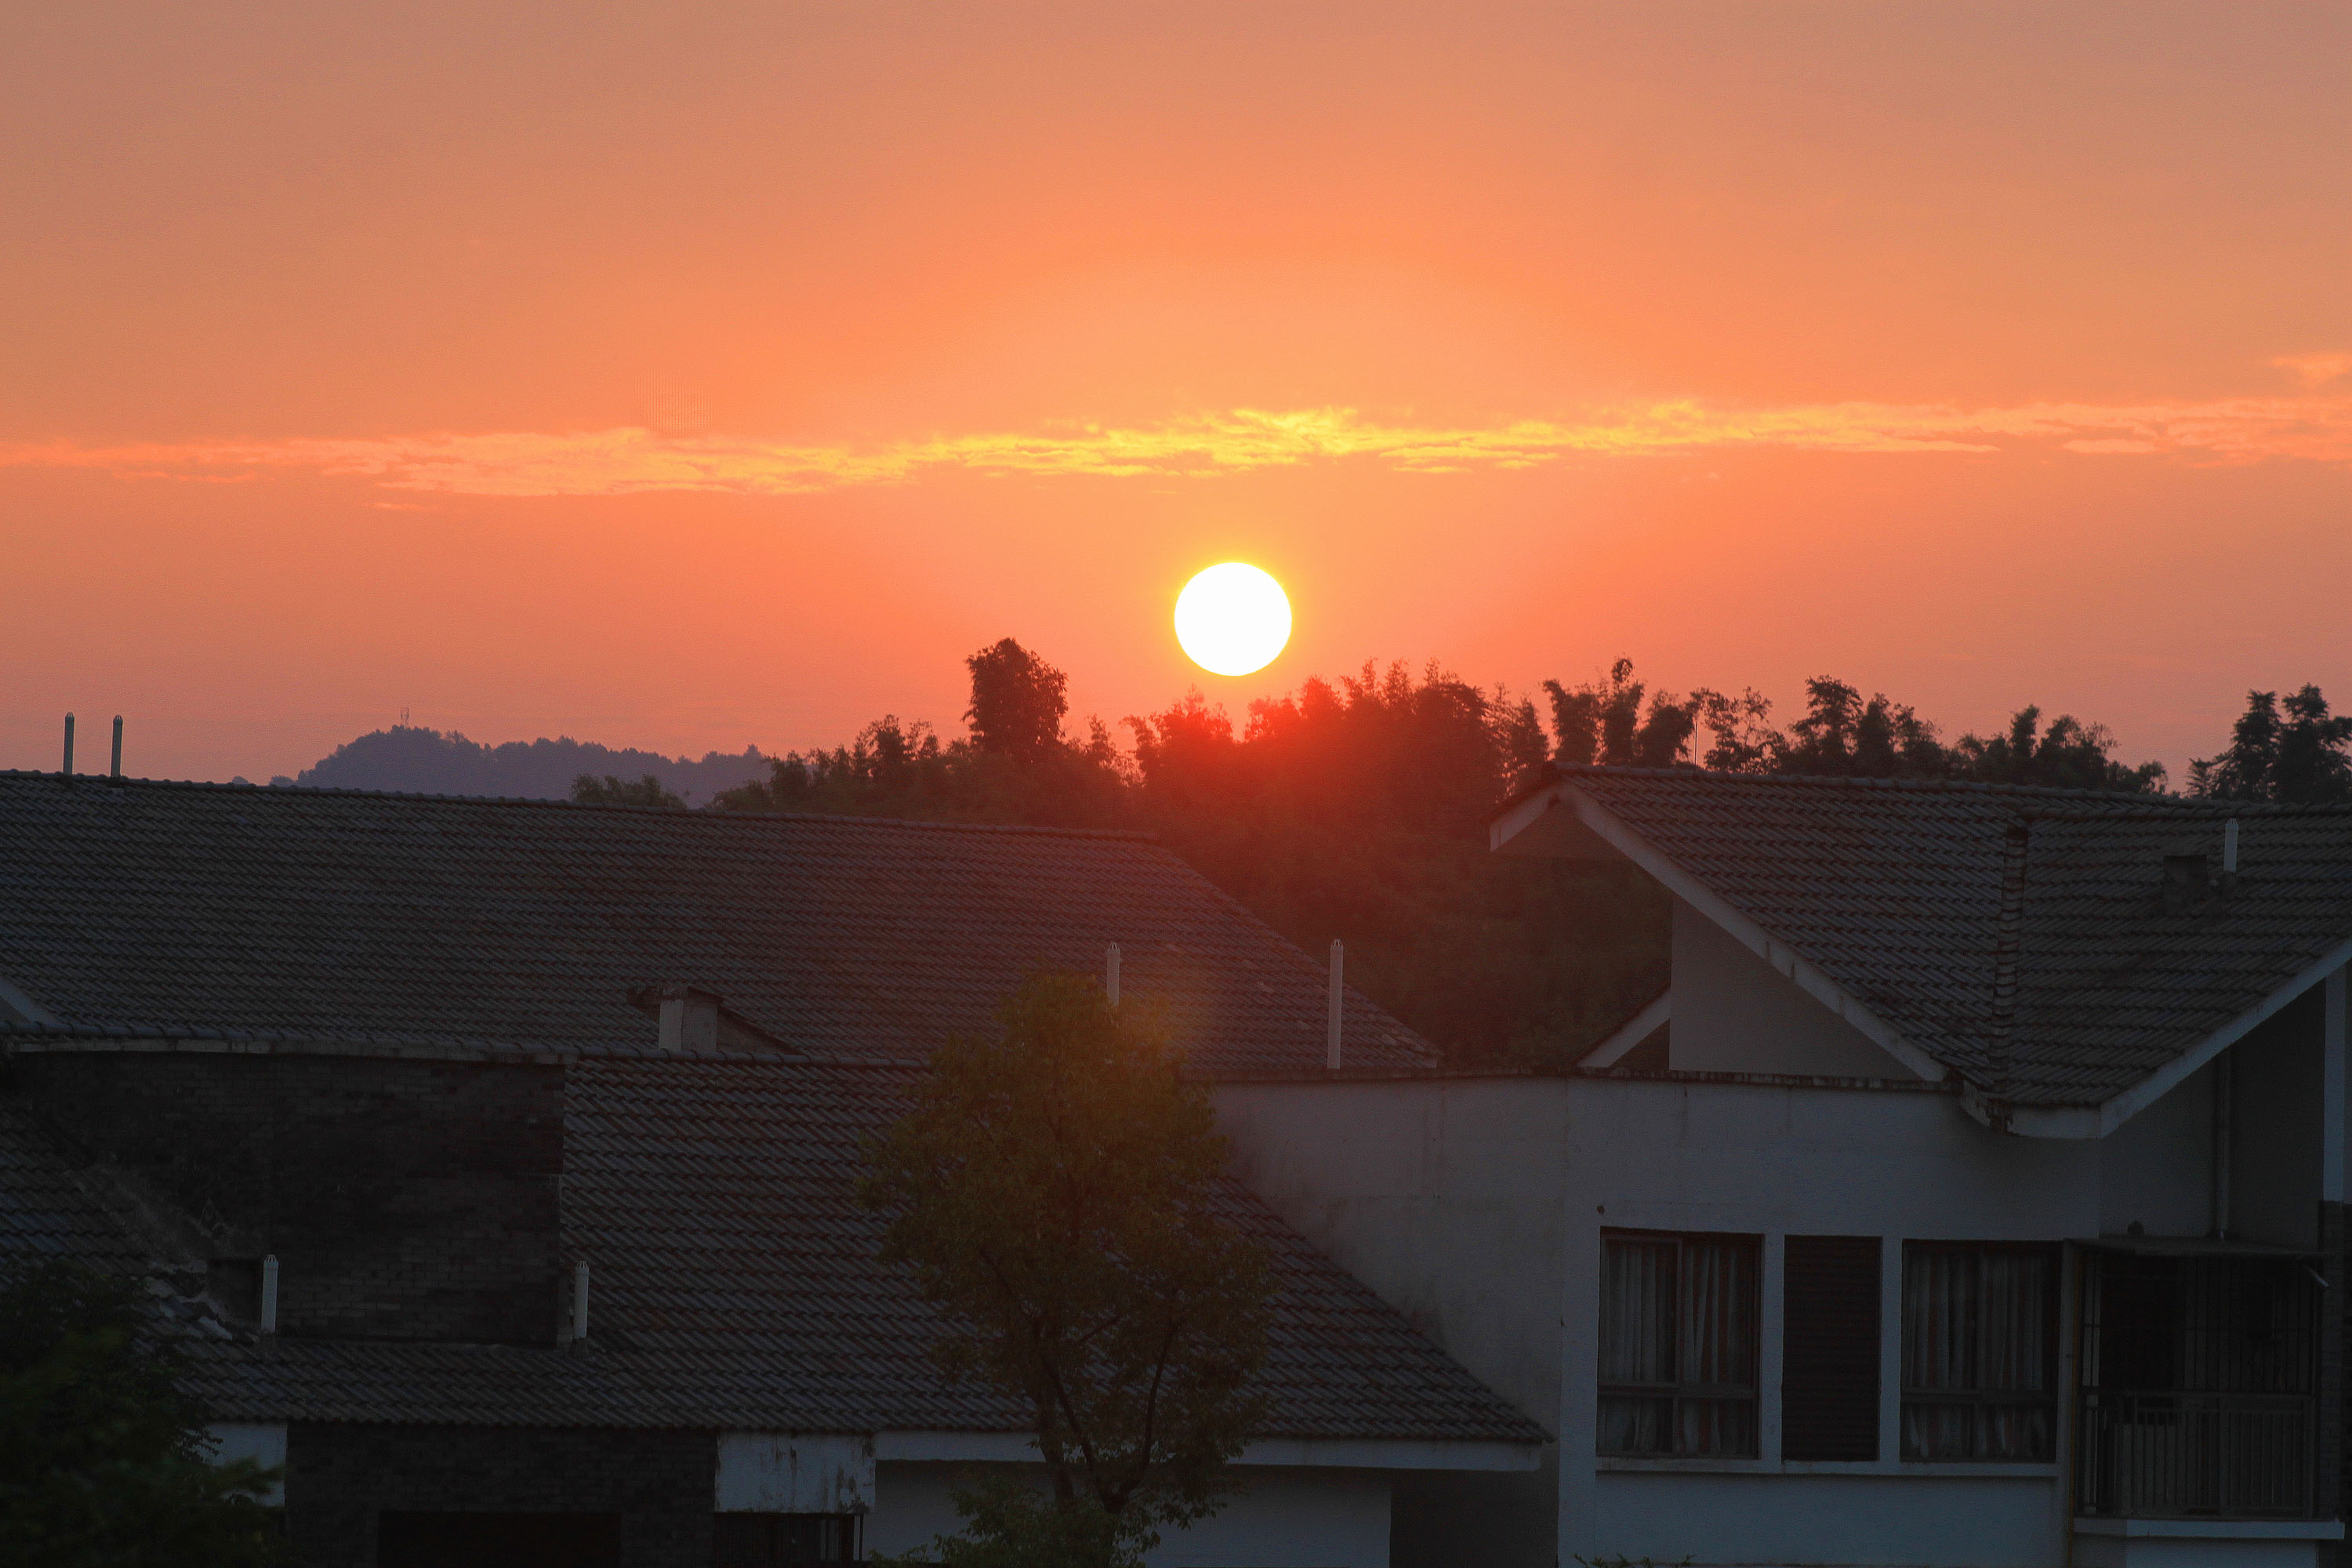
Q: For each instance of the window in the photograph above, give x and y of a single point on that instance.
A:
(1829, 1338)
(1980, 1352)
(2200, 1386)
(1679, 1326)
(783, 1540)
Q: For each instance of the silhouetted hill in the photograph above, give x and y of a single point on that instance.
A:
(407, 757)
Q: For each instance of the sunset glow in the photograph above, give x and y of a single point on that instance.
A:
(693, 378)
(1233, 619)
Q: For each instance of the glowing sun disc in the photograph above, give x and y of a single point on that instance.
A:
(1233, 619)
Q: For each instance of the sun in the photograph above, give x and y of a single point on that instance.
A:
(1233, 619)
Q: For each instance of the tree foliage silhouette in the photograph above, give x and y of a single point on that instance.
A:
(1058, 1192)
(1356, 807)
(103, 1462)
(2302, 755)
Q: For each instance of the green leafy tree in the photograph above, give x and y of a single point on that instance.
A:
(2301, 757)
(103, 1462)
(590, 790)
(1056, 1190)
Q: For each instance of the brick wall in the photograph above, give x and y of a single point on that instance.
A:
(403, 1199)
(339, 1478)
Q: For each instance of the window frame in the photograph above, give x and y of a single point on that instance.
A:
(1679, 1392)
(2053, 1256)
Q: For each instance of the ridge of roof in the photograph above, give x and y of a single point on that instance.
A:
(2013, 934)
(1922, 786)
(2123, 800)
(665, 813)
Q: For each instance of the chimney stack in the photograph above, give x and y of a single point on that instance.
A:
(1110, 974)
(689, 1018)
(68, 767)
(270, 1294)
(1331, 1030)
(2186, 882)
(118, 748)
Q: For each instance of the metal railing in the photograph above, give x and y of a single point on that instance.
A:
(2198, 1456)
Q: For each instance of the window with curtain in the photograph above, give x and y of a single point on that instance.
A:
(1980, 1352)
(1678, 1331)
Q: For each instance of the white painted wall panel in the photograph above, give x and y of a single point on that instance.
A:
(264, 1443)
(1735, 1012)
(1935, 1523)
(779, 1472)
(1283, 1518)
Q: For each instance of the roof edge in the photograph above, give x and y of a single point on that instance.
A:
(1657, 1011)
(1793, 965)
(2113, 1112)
(672, 813)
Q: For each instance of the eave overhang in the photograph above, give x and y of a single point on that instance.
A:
(1559, 821)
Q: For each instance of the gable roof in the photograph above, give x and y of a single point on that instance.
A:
(2016, 937)
(736, 1285)
(191, 909)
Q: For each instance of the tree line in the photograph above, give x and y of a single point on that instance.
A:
(1356, 807)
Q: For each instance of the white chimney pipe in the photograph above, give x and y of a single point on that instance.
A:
(118, 747)
(1111, 972)
(2229, 847)
(68, 768)
(1331, 1036)
(580, 1299)
(270, 1294)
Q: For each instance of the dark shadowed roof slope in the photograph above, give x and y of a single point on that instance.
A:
(2021, 937)
(188, 908)
(737, 1285)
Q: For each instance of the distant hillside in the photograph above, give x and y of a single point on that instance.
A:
(428, 762)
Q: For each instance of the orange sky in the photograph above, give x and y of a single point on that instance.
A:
(692, 376)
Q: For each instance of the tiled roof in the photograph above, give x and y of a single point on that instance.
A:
(1896, 891)
(187, 909)
(735, 1285)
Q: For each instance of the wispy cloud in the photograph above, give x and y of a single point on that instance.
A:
(629, 460)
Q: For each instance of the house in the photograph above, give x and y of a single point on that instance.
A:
(495, 1161)
(1973, 1195)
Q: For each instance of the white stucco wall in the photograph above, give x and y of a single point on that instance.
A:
(1775, 1160)
(1446, 1199)
(1476, 1208)
(2276, 1103)
(2158, 1168)
(1283, 1518)
(1735, 1012)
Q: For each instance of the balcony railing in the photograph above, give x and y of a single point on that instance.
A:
(2198, 1456)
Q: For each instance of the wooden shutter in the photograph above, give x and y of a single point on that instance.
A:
(1829, 1357)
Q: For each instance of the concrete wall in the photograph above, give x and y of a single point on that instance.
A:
(1446, 1198)
(2276, 1103)
(1476, 1208)
(1735, 1012)
(1282, 1519)
(339, 1477)
(2157, 1170)
(1773, 1161)
(403, 1199)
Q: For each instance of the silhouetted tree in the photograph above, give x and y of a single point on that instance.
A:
(590, 790)
(104, 1463)
(2303, 757)
(1602, 722)
(2068, 755)
(1017, 701)
(1056, 1189)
